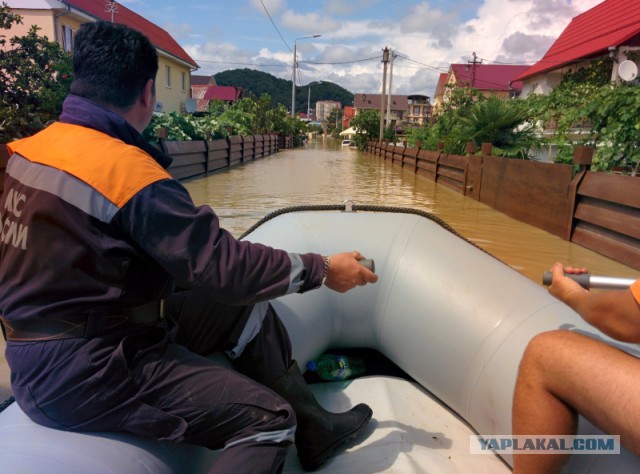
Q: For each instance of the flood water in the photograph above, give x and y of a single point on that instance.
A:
(325, 173)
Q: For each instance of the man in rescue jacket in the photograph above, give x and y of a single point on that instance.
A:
(96, 237)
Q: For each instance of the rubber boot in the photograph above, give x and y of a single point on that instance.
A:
(319, 432)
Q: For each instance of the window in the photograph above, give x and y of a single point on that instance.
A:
(167, 76)
(184, 82)
(67, 39)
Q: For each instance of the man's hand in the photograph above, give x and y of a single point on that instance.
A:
(345, 273)
(562, 287)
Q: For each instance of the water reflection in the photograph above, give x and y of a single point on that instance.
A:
(325, 173)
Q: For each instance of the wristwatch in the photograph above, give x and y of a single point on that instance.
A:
(327, 264)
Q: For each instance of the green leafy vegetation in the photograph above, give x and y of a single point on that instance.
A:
(248, 116)
(367, 127)
(584, 109)
(35, 76)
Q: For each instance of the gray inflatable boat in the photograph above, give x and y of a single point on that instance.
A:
(453, 318)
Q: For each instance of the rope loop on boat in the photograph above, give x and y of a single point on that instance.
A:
(6, 403)
(350, 206)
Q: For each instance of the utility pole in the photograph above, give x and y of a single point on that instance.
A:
(390, 95)
(385, 60)
(474, 63)
(295, 65)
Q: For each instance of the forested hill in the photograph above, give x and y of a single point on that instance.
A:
(259, 83)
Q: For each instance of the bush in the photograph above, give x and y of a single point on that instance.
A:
(35, 76)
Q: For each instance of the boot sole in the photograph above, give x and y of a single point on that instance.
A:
(318, 460)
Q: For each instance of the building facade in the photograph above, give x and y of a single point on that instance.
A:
(59, 20)
(324, 108)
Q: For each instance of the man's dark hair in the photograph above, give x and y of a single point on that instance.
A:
(112, 63)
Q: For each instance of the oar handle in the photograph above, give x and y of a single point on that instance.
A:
(588, 281)
(368, 263)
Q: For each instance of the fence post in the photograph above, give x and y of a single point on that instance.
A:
(583, 157)
(162, 134)
(470, 148)
(486, 149)
(207, 139)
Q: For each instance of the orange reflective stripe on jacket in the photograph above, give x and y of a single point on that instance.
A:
(120, 171)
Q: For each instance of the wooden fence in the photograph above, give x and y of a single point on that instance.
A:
(199, 157)
(600, 211)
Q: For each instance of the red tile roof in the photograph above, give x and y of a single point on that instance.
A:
(223, 93)
(442, 81)
(203, 94)
(489, 77)
(159, 37)
(197, 80)
(611, 23)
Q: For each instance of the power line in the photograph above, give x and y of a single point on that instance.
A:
(342, 62)
(239, 64)
(274, 25)
(435, 68)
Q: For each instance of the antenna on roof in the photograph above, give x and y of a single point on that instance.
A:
(628, 71)
(111, 7)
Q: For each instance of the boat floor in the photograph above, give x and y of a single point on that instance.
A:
(410, 432)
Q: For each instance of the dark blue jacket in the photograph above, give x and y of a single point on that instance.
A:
(91, 220)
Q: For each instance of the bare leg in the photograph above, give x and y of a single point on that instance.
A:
(563, 373)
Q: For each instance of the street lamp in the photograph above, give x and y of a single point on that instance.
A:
(295, 65)
(309, 97)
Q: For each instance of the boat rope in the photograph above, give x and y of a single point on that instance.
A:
(6, 403)
(349, 206)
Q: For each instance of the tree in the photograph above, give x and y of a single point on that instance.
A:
(502, 122)
(35, 76)
(367, 126)
(459, 102)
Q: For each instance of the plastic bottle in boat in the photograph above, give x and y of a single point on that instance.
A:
(337, 367)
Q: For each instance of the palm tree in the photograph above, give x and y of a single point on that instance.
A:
(501, 122)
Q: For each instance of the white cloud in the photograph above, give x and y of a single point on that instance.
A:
(310, 23)
(272, 6)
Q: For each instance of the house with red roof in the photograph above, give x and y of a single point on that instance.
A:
(491, 80)
(438, 98)
(58, 20)
(205, 93)
(611, 29)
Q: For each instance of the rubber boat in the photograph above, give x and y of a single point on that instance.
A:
(454, 318)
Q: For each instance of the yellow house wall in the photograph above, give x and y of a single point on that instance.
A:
(172, 98)
(42, 18)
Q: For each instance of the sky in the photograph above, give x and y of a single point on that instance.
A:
(425, 36)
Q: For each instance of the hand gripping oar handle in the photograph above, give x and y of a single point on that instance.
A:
(587, 281)
(368, 263)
